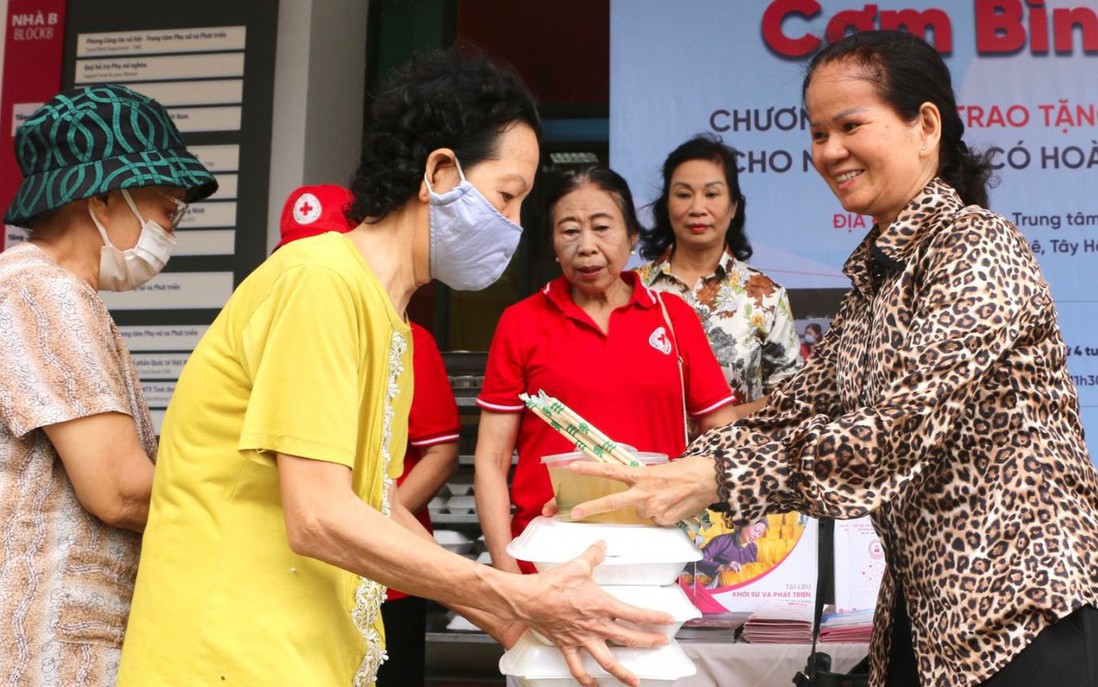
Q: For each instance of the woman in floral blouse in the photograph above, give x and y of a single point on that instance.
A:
(698, 248)
(939, 403)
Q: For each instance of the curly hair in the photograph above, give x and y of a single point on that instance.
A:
(656, 241)
(907, 72)
(438, 99)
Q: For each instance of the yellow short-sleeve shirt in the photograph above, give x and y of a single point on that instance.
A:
(308, 358)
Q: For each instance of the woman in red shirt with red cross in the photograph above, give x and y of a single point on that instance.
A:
(600, 341)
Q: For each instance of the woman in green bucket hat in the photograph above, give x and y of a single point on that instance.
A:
(106, 180)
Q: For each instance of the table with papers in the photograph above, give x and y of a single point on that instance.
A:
(738, 664)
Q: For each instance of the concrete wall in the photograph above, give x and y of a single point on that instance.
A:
(319, 91)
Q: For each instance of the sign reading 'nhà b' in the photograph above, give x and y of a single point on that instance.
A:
(31, 44)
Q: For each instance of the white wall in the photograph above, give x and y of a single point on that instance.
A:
(320, 73)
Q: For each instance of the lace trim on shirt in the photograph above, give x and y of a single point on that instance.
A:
(370, 594)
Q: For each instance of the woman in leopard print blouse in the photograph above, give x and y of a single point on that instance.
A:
(939, 401)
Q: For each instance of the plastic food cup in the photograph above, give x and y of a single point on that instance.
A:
(572, 489)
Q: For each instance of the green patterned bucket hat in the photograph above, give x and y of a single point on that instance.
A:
(95, 139)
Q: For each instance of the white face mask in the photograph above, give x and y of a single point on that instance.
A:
(471, 241)
(123, 270)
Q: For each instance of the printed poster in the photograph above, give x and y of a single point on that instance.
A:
(747, 564)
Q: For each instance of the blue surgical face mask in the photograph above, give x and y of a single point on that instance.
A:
(809, 339)
(471, 241)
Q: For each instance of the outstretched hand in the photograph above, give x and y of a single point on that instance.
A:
(567, 607)
(666, 493)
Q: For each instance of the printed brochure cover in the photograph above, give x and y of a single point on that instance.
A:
(859, 565)
(746, 564)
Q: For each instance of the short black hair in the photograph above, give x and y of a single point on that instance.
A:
(438, 99)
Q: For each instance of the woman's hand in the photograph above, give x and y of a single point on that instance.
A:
(566, 606)
(667, 493)
(550, 508)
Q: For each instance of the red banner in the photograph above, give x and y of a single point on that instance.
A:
(34, 38)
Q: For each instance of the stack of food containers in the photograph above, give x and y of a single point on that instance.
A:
(641, 568)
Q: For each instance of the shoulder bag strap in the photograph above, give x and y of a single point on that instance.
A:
(678, 358)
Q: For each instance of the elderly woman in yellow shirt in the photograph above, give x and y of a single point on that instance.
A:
(273, 529)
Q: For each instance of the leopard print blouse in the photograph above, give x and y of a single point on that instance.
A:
(939, 403)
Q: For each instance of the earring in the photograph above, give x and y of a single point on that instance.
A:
(923, 149)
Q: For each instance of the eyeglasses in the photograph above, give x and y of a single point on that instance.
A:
(176, 216)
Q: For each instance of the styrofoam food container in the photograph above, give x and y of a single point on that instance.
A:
(460, 623)
(571, 488)
(437, 505)
(455, 541)
(461, 504)
(635, 554)
(539, 665)
(669, 599)
(459, 488)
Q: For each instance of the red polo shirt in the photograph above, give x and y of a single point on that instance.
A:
(626, 382)
(433, 418)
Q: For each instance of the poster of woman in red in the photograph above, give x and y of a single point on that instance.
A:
(31, 43)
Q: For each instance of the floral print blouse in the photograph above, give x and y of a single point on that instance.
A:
(939, 403)
(746, 318)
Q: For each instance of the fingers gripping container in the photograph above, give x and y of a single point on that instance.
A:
(571, 488)
(535, 664)
(641, 568)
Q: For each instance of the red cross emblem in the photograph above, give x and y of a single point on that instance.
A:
(307, 209)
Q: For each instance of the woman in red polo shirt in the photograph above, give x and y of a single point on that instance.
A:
(598, 340)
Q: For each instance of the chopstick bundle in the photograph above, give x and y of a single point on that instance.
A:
(586, 437)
